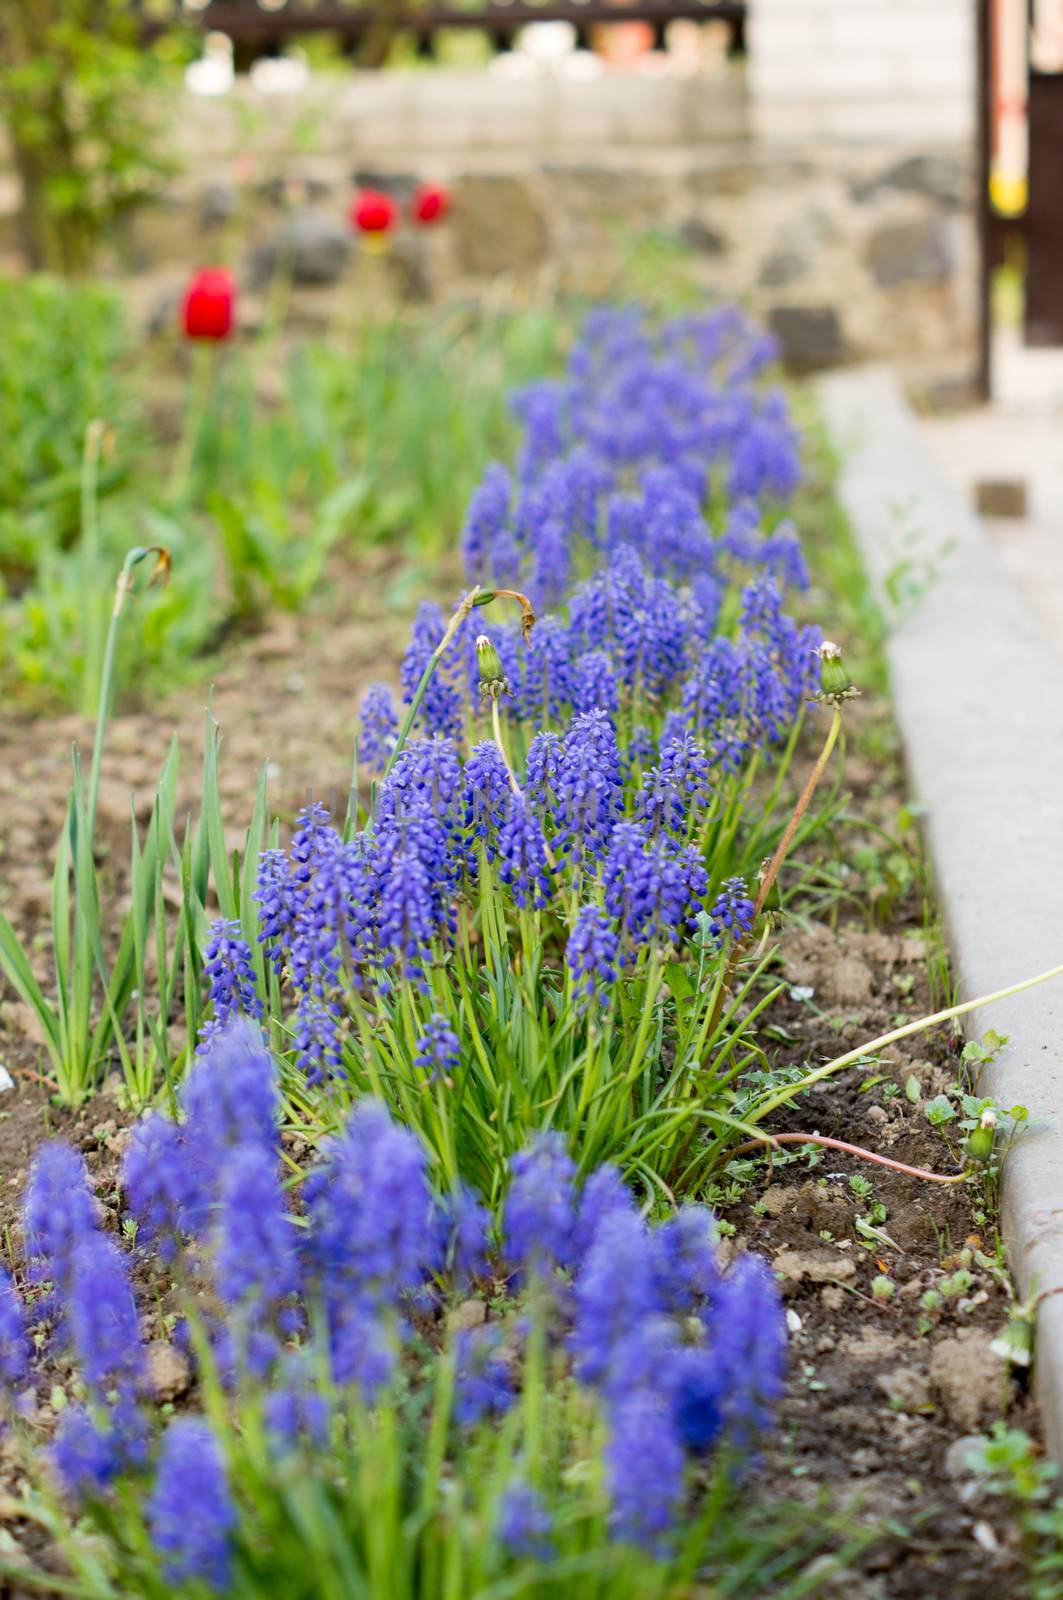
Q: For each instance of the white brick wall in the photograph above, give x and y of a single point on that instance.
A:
(862, 69)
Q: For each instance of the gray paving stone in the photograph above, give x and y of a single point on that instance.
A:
(979, 698)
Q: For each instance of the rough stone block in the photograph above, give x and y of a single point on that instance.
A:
(740, 177)
(1000, 497)
(911, 252)
(498, 224)
(782, 267)
(948, 180)
(810, 337)
(314, 244)
(217, 204)
(610, 191)
(702, 239)
(400, 185)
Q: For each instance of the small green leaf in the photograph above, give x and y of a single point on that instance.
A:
(913, 1090)
(939, 1110)
(678, 981)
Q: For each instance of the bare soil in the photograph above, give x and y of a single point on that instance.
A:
(880, 1389)
(285, 697)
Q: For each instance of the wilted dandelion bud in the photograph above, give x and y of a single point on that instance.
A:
(835, 684)
(493, 681)
(772, 907)
(980, 1139)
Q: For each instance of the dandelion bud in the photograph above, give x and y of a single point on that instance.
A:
(980, 1139)
(772, 906)
(835, 684)
(493, 682)
(1015, 1342)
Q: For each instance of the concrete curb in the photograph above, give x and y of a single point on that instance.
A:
(979, 700)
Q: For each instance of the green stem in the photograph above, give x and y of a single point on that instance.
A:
(103, 709)
(648, 1010)
(90, 560)
(804, 800)
(426, 676)
(122, 589)
(203, 358)
(496, 728)
(784, 1096)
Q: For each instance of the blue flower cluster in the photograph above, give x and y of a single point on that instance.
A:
(621, 451)
(612, 508)
(670, 666)
(682, 1356)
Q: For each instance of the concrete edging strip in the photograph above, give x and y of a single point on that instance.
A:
(978, 696)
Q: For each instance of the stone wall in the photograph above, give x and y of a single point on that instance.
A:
(853, 241)
(843, 70)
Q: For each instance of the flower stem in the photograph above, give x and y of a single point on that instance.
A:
(803, 803)
(90, 556)
(784, 1096)
(426, 676)
(774, 1139)
(122, 589)
(199, 394)
(496, 728)
(804, 800)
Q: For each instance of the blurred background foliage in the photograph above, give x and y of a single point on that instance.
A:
(289, 455)
(85, 102)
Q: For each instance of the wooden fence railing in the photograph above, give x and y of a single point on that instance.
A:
(260, 28)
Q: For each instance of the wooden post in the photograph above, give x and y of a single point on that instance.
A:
(983, 211)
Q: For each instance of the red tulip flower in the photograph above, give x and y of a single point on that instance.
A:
(431, 202)
(373, 212)
(209, 304)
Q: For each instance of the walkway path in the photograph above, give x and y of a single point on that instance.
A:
(978, 693)
(1019, 438)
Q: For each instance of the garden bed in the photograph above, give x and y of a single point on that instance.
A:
(878, 1390)
(895, 1289)
(881, 1389)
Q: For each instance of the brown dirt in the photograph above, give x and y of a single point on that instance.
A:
(880, 1389)
(288, 695)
